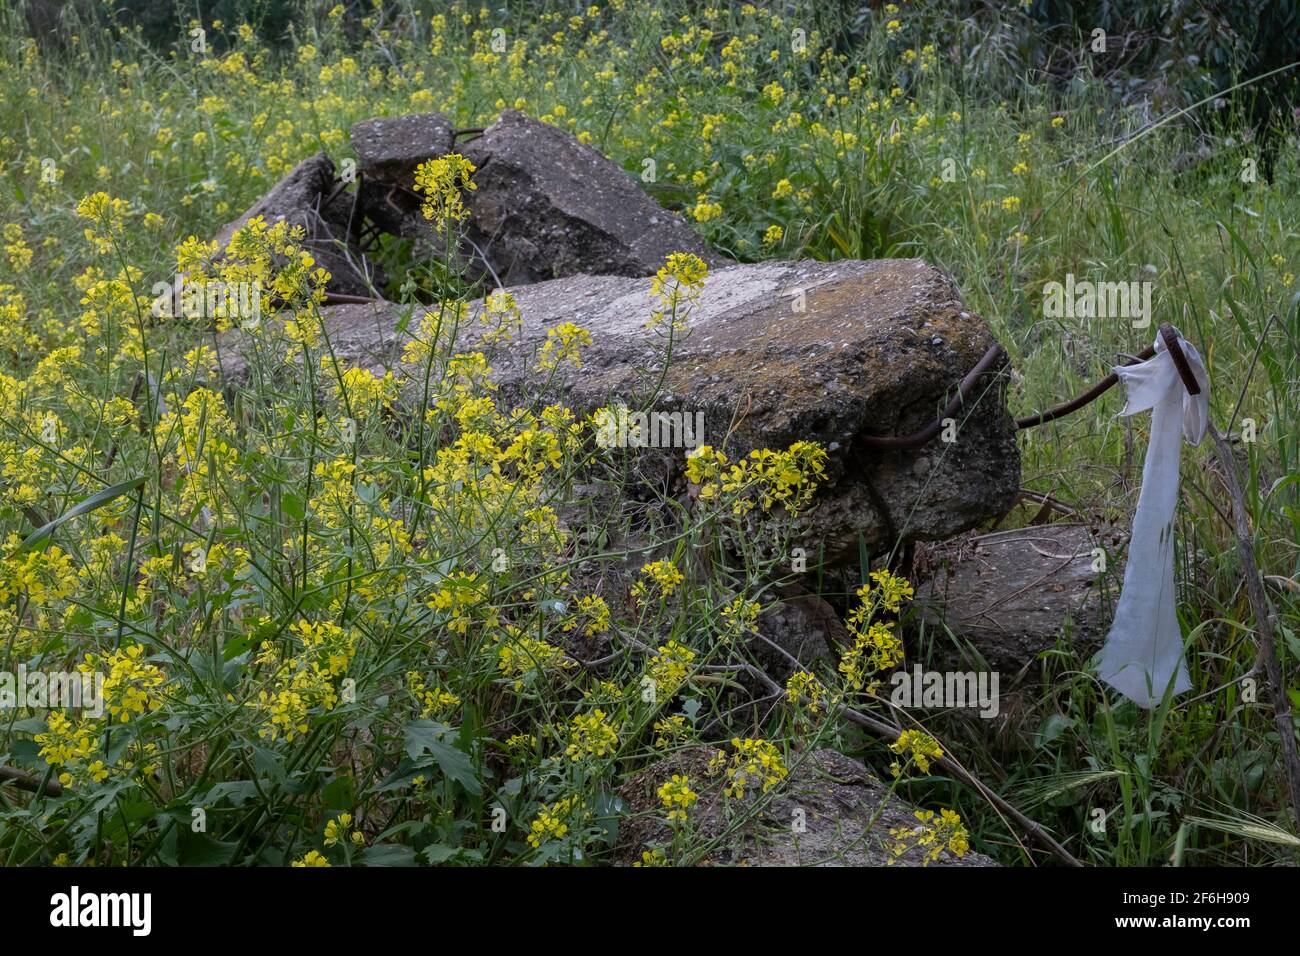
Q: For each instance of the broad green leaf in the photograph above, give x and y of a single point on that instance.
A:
(97, 500)
(389, 854)
(429, 736)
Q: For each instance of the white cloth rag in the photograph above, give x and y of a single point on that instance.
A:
(1143, 653)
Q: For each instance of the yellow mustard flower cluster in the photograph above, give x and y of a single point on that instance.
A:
(932, 835)
(270, 272)
(677, 798)
(221, 560)
(201, 439)
(804, 690)
(564, 343)
(434, 335)
(670, 730)
(502, 315)
(553, 821)
(669, 667)
(462, 600)
(705, 211)
(440, 181)
(107, 216)
(306, 682)
(679, 282)
(433, 702)
(130, 682)
(765, 478)
(754, 763)
(360, 390)
(738, 616)
(604, 693)
(658, 577)
(524, 658)
(72, 747)
(917, 745)
(42, 577)
(340, 829)
(19, 334)
(592, 616)
(890, 590)
(591, 735)
(520, 746)
(16, 250)
(337, 506)
(493, 474)
(876, 647)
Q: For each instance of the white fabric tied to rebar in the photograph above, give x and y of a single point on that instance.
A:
(1143, 653)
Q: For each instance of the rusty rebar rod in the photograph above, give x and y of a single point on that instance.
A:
(1170, 337)
(342, 298)
(1105, 385)
(1175, 351)
(920, 437)
(923, 435)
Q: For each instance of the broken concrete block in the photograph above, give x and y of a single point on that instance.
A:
(309, 196)
(846, 816)
(389, 149)
(804, 627)
(1012, 594)
(779, 352)
(547, 206)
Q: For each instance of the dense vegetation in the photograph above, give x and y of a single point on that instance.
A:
(296, 591)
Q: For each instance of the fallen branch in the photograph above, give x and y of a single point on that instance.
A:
(890, 732)
(887, 731)
(25, 781)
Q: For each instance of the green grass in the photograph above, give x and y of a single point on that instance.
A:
(850, 159)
